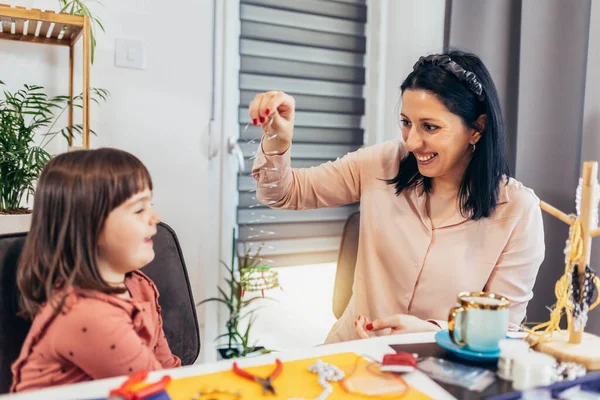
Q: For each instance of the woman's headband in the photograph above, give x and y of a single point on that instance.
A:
(468, 78)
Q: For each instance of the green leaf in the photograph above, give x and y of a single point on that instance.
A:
(225, 296)
(224, 335)
(246, 303)
(79, 7)
(227, 267)
(217, 300)
(100, 24)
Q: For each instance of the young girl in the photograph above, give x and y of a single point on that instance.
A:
(95, 315)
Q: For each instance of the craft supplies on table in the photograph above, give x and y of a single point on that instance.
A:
(581, 388)
(266, 382)
(135, 388)
(297, 381)
(510, 349)
(564, 373)
(469, 377)
(533, 369)
(401, 362)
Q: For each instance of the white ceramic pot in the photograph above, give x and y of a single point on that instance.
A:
(14, 223)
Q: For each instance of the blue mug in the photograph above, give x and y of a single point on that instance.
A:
(479, 321)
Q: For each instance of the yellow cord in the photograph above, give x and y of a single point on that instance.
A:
(562, 290)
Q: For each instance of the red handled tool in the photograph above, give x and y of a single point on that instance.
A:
(128, 391)
(399, 362)
(267, 383)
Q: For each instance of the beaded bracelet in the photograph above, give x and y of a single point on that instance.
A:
(582, 297)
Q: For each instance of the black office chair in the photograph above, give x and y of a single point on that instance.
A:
(167, 270)
(344, 276)
(13, 329)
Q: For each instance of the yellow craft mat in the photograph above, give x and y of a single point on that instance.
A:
(295, 381)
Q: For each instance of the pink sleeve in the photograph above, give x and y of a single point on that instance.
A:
(328, 185)
(515, 272)
(100, 339)
(163, 353)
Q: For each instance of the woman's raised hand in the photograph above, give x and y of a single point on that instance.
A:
(274, 112)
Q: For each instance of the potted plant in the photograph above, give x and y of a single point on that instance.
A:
(24, 114)
(251, 276)
(79, 7)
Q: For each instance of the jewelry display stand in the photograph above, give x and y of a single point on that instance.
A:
(575, 289)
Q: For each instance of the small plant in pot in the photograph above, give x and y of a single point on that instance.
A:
(27, 115)
(250, 276)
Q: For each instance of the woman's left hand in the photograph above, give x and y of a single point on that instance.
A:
(397, 323)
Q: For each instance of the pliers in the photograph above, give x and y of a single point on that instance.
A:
(133, 388)
(267, 383)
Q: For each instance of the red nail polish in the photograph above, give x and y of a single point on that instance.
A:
(254, 121)
(267, 111)
(369, 327)
(262, 120)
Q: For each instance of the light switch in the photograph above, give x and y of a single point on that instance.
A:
(129, 53)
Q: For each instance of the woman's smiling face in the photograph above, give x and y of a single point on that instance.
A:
(439, 139)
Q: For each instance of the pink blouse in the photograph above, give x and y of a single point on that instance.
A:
(95, 336)
(403, 265)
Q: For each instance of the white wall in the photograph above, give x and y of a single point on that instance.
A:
(160, 114)
(413, 28)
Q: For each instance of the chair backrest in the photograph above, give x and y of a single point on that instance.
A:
(344, 276)
(13, 329)
(167, 270)
(169, 274)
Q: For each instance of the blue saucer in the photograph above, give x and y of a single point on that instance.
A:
(443, 339)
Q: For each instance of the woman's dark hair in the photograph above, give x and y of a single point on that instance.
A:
(75, 193)
(463, 84)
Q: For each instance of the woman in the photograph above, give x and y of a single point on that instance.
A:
(439, 213)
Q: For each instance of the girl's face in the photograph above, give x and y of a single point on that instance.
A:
(125, 242)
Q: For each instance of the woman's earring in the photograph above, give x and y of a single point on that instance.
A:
(473, 146)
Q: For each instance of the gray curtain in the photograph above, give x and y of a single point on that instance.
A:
(537, 53)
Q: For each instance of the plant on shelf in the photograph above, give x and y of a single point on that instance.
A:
(250, 276)
(24, 114)
(79, 7)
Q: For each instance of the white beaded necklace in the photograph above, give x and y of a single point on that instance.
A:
(327, 373)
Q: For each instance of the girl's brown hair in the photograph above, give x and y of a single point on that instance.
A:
(75, 193)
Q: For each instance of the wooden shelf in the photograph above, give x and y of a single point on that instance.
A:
(38, 26)
(47, 27)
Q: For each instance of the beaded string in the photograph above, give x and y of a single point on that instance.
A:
(373, 367)
(567, 288)
(259, 277)
(582, 300)
(260, 218)
(327, 373)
